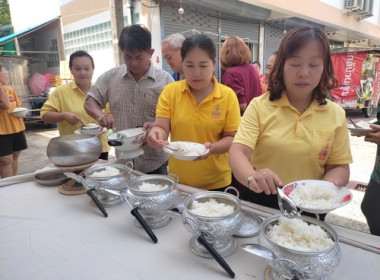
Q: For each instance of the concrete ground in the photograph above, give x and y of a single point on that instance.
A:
(363, 154)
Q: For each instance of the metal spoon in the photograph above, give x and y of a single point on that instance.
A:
(287, 206)
(355, 125)
(177, 150)
(202, 240)
(136, 214)
(285, 267)
(90, 191)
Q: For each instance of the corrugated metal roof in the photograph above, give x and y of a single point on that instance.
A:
(11, 37)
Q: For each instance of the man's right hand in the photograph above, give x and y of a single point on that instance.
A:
(72, 118)
(107, 121)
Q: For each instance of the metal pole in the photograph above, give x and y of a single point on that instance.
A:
(117, 24)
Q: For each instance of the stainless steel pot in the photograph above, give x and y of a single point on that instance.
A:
(218, 230)
(99, 184)
(311, 265)
(74, 149)
(153, 205)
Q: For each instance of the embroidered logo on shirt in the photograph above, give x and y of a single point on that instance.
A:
(215, 113)
(324, 152)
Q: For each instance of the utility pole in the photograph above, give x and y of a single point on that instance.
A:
(117, 24)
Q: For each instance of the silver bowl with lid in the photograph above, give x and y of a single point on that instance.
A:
(118, 182)
(154, 204)
(217, 230)
(310, 265)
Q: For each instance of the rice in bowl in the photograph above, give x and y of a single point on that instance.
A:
(211, 208)
(188, 148)
(149, 187)
(298, 235)
(108, 171)
(316, 196)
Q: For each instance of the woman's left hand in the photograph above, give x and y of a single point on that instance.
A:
(208, 146)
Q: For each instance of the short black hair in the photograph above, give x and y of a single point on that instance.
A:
(199, 41)
(257, 62)
(135, 37)
(80, 54)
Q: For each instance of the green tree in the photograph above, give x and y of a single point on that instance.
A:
(5, 15)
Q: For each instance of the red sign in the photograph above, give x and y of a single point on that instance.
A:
(348, 68)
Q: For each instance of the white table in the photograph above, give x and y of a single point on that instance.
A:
(46, 235)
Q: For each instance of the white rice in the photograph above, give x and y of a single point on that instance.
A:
(188, 149)
(149, 187)
(211, 208)
(90, 126)
(316, 197)
(19, 109)
(107, 172)
(297, 234)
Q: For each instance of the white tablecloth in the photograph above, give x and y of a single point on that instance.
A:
(46, 235)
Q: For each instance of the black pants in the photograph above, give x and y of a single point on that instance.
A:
(371, 206)
(104, 156)
(163, 169)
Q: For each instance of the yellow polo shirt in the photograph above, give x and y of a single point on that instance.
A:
(219, 112)
(10, 124)
(294, 146)
(70, 98)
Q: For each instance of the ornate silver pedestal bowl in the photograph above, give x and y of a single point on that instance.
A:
(117, 182)
(217, 230)
(308, 265)
(153, 205)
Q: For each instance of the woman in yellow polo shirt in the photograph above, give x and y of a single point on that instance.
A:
(293, 132)
(65, 105)
(198, 109)
(12, 137)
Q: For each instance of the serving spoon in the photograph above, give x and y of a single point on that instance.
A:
(355, 125)
(90, 191)
(202, 240)
(282, 265)
(135, 213)
(287, 206)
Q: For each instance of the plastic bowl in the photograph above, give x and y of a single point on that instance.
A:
(20, 112)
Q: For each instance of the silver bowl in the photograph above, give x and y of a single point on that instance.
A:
(218, 231)
(74, 149)
(128, 142)
(310, 265)
(153, 205)
(117, 182)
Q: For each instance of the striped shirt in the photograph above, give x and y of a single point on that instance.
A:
(132, 103)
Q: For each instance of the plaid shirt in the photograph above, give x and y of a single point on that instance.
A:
(132, 104)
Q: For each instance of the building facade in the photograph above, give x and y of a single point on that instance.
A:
(262, 24)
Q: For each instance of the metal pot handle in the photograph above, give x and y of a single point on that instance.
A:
(76, 177)
(237, 194)
(174, 177)
(194, 230)
(129, 164)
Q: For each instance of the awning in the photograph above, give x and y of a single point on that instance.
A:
(11, 37)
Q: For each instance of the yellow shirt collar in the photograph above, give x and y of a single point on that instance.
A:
(215, 93)
(284, 102)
